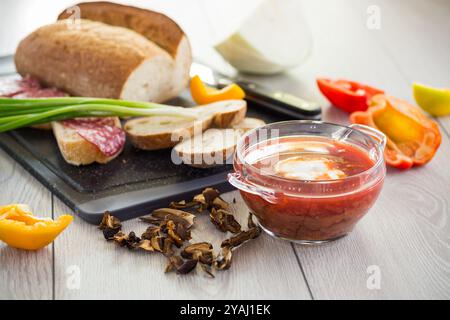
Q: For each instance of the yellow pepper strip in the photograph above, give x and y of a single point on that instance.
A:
(20, 229)
(202, 94)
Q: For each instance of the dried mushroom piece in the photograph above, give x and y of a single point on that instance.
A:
(152, 231)
(201, 202)
(241, 238)
(187, 266)
(173, 232)
(219, 203)
(223, 261)
(210, 198)
(202, 251)
(157, 243)
(110, 225)
(145, 245)
(210, 194)
(167, 249)
(224, 221)
(151, 220)
(178, 216)
(174, 262)
(182, 204)
(207, 269)
(131, 241)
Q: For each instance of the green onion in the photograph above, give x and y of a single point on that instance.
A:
(17, 113)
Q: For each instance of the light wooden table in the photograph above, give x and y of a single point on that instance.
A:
(406, 235)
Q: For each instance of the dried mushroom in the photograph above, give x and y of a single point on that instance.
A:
(210, 194)
(187, 266)
(224, 221)
(182, 204)
(219, 203)
(152, 231)
(167, 249)
(130, 240)
(203, 252)
(170, 231)
(110, 226)
(145, 245)
(207, 269)
(178, 216)
(241, 237)
(177, 233)
(174, 262)
(210, 198)
(223, 261)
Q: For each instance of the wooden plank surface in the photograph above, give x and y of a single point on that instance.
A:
(24, 275)
(405, 235)
(110, 272)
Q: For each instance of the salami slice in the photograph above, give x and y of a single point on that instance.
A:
(40, 93)
(11, 87)
(101, 132)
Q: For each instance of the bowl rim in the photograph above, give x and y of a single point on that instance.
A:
(368, 171)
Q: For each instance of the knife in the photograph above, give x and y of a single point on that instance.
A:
(274, 100)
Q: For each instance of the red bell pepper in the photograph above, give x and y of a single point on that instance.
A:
(347, 95)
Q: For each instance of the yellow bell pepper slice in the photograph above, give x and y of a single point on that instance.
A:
(20, 229)
(203, 94)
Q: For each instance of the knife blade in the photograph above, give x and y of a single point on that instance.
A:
(274, 100)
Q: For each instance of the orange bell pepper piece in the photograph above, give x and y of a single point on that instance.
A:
(203, 94)
(20, 229)
(412, 138)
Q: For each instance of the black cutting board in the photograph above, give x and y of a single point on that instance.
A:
(131, 185)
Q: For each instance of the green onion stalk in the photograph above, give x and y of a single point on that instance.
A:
(18, 113)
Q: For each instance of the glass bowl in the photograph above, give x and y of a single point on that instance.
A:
(308, 211)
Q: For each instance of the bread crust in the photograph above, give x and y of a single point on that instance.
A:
(155, 26)
(92, 59)
(225, 113)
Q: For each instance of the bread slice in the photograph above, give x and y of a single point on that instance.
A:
(76, 150)
(225, 113)
(212, 148)
(248, 124)
(154, 26)
(154, 133)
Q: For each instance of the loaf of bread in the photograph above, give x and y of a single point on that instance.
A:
(102, 56)
(154, 26)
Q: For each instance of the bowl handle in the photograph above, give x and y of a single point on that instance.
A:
(374, 133)
(236, 180)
